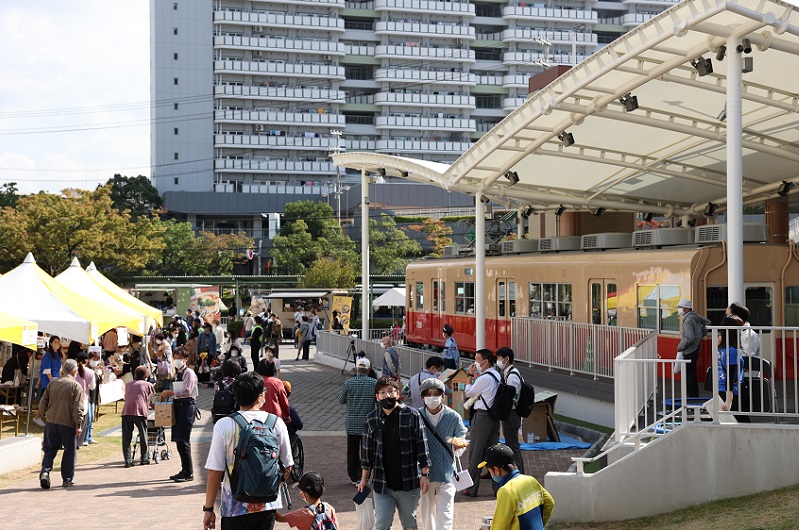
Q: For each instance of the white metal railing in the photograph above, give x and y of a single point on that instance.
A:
(281, 20)
(578, 348)
(425, 6)
(425, 52)
(513, 12)
(414, 146)
(445, 124)
(418, 29)
(424, 100)
(280, 93)
(273, 67)
(441, 77)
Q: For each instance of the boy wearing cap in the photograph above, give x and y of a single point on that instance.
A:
(358, 395)
(451, 355)
(693, 329)
(312, 487)
(437, 504)
(522, 503)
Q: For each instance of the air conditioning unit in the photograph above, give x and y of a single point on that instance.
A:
(258, 29)
(752, 233)
(520, 246)
(259, 127)
(663, 237)
(605, 241)
(558, 244)
(451, 251)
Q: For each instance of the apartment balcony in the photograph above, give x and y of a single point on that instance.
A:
(364, 6)
(420, 29)
(635, 19)
(285, 189)
(525, 58)
(424, 76)
(549, 15)
(279, 93)
(555, 37)
(279, 118)
(369, 51)
(659, 3)
(424, 124)
(516, 81)
(451, 55)
(464, 9)
(265, 141)
(509, 104)
(262, 20)
(264, 45)
(277, 68)
(287, 167)
(361, 145)
(424, 100)
(421, 146)
(315, 3)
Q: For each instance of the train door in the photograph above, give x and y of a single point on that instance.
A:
(439, 308)
(604, 301)
(506, 308)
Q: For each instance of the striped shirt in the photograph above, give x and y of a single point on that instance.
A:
(413, 447)
(358, 394)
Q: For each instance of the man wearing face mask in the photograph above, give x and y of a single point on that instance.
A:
(433, 367)
(483, 384)
(693, 329)
(521, 501)
(442, 424)
(394, 446)
(185, 394)
(510, 427)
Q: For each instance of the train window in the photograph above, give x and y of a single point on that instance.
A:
(551, 300)
(435, 296)
(613, 304)
(464, 297)
(443, 296)
(596, 303)
(647, 307)
(657, 307)
(501, 298)
(512, 298)
(669, 297)
(419, 295)
(759, 301)
(792, 306)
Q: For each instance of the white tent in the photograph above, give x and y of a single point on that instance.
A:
(156, 317)
(394, 297)
(77, 279)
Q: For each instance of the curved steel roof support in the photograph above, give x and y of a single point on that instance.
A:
(735, 245)
(367, 302)
(479, 272)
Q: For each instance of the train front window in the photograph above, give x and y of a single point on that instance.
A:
(464, 297)
(759, 301)
(419, 296)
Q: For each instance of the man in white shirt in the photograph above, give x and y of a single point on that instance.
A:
(510, 427)
(483, 384)
(750, 342)
(249, 391)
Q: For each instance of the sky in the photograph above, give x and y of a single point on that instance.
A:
(74, 92)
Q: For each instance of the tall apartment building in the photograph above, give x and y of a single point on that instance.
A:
(249, 97)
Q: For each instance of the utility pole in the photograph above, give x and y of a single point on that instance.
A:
(337, 189)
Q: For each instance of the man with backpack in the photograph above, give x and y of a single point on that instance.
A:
(277, 334)
(224, 400)
(315, 515)
(250, 486)
(484, 382)
(510, 427)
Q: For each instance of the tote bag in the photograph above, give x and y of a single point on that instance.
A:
(461, 479)
(365, 513)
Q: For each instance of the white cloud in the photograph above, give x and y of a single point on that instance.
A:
(73, 65)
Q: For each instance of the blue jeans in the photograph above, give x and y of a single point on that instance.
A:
(404, 501)
(90, 423)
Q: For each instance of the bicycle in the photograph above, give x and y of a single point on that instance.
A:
(350, 352)
(298, 455)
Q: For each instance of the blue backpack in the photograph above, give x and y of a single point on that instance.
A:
(256, 472)
(322, 519)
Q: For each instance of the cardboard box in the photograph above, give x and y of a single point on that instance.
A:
(164, 414)
(534, 426)
(457, 382)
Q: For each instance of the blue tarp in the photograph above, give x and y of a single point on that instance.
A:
(566, 442)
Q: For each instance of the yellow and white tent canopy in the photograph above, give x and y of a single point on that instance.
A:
(78, 280)
(18, 331)
(155, 316)
(668, 155)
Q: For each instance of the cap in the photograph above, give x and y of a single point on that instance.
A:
(448, 329)
(684, 302)
(432, 382)
(498, 456)
(310, 481)
(363, 362)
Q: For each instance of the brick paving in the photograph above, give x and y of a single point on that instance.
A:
(142, 497)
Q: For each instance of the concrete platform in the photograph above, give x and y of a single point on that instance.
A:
(19, 452)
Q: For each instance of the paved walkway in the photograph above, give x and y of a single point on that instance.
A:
(110, 496)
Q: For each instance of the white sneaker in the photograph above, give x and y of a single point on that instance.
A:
(39, 422)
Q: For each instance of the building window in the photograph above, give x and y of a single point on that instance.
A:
(551, 300)
(176, 131)
(176, 106)
(177, 181)
(177, 156)
(175, 56)
(464, 297)
(174, 31)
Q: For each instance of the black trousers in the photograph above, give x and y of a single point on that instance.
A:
(692, 385)
(186, 464)
(55, 437)
(128, 423)
(354, 457)
(306, 349)
(255, 354)
(251, 521)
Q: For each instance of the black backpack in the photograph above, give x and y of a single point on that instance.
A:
(503, 401)
(524, 405)
(224, 401)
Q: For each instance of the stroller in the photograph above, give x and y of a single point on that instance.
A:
(156, 438)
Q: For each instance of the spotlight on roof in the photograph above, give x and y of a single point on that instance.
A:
(629, 101)
(527, 212)
(747, 65)
(598, 211)
(404, 174)
(648, 216)
(785, 188)
(513, 177)
(381, 171)
(703, 66)
(710, 209)
(559, 210)
(745, 46)
(723, 114)
(566, 138)
(721, 53)
(484, 199)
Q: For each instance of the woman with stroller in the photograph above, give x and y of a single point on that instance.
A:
(134, 414)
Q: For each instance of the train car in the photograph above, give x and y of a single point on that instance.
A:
(637, 288)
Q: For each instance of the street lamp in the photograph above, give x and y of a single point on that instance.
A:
(337, 191)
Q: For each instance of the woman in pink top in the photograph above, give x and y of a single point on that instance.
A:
(85, 377)
(134, 414)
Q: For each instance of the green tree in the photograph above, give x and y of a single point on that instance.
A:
(329, 273)
(76, 223)
(436, 232)
(135, 194)
(8, 194)
(390, 248)
(310, 232)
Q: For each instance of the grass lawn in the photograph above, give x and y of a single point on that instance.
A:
(108, 445)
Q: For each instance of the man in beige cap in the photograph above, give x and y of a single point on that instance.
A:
(693, 329)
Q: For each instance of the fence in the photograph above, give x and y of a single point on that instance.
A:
(578, 348)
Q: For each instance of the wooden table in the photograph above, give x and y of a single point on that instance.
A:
(9, 413)
(10, 394)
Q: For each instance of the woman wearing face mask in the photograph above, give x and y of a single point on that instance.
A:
(95, 365)
(185, 403)
(51, 364)
(442, 423)
(483, 384)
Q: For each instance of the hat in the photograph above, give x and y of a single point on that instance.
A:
(432, 382)
(684, 302)
(448, 329)
(497, 456)
(363, 362)
(310, 481)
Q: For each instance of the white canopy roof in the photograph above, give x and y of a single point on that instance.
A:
(394, 297)
(668, 156)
